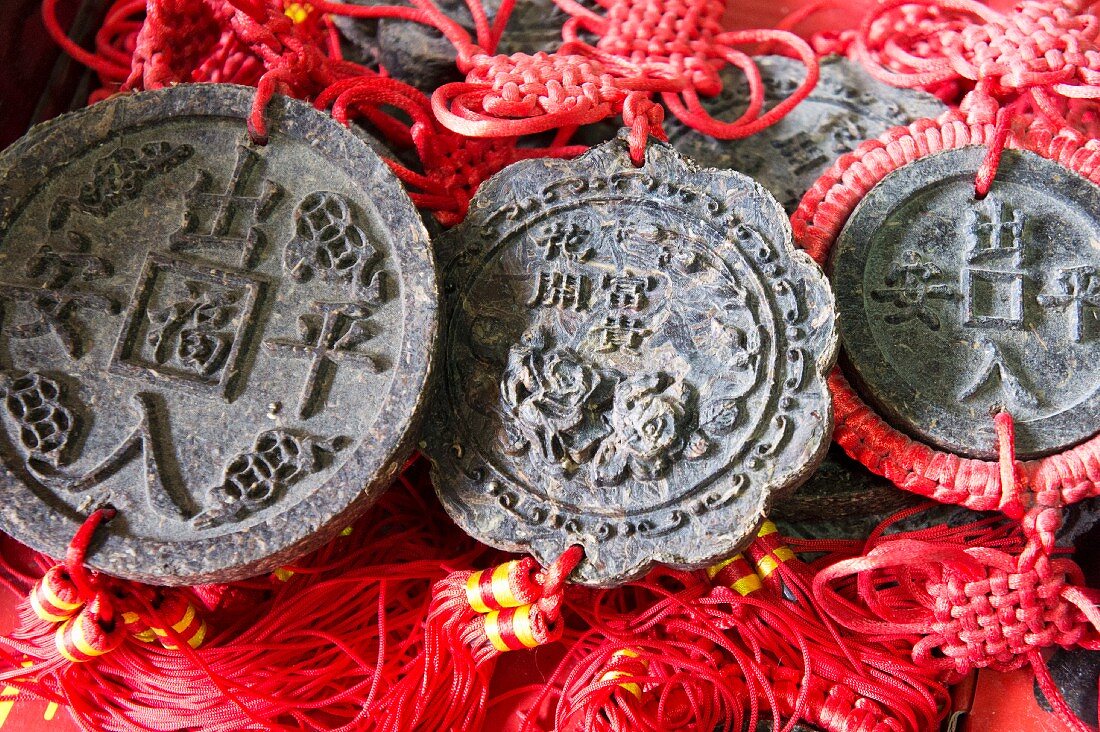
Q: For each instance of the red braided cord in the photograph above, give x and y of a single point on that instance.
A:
(668, 47)
(1043, 46)
(988, 169)
(105, 67)
(674, 49)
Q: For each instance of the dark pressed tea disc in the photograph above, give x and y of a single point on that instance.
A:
(633, 362)
(227, 343)
(953, 308)
(841, 498)
(420, 55)
(846, 107)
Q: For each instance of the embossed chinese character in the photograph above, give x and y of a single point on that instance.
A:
(327, 242)
(997, 232)
(844, 132)
(119, 178)
(621, 332)
(1075, 288)
(62, 284)
(254, 479)
(911, 283)
(627, 291)
(188, 323)
(330, 335)
(650, 244)
(215, 218)
(561, 290)
(164, 491)
(803, 152)
(193, 333)
(46, 424)
(993, 295)
(996, 372)
(569, 240)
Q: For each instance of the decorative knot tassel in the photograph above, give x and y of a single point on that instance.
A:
(55, 597)
(94, 632)
(473, 618)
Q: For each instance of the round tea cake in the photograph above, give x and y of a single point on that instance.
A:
(225, 342)
(846, 107)
(954, 308)
(633, 361)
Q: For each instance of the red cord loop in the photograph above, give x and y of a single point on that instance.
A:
(1042, 45)
(553, 580)
(1013, 479)
(644, 118)
(78, 549)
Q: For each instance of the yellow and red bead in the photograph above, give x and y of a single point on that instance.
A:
(510, 585)
(88, 634)
(137, 627)
(516, 628)
(768, 551)
(55, 597)
(626, 663)
(175, 611)
(737, 574)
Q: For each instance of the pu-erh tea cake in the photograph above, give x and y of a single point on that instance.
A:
(846, 107)
(953, 308)
(226, 342)
(633, 361)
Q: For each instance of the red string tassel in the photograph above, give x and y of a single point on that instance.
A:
(446, 686)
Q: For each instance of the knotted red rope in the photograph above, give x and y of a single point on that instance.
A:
(671, 48)
(1039, 46)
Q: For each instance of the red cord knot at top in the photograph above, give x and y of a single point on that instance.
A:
(553, 580)
(293, 56)
(1013, 479)
(174, 39)
(681, 33)
(78, 550)
(644, 118)
(1042, 44)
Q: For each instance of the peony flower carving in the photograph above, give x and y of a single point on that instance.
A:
(650, 427)
(569, 417)
(550, 399)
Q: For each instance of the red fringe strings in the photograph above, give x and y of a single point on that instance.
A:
(370, 632)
